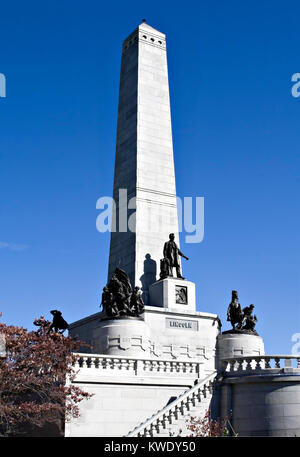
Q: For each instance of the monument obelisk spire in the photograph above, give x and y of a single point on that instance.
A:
(144, 163)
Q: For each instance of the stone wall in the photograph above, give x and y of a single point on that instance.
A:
(117, 408)
(264, 401)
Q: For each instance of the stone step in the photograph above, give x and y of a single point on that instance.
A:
(178, 426)
(189, 406)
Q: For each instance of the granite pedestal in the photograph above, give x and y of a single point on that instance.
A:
(127, 336)
(173, 294)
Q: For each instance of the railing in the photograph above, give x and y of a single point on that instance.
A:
(136, 366)
(177, 408)
(257, 363)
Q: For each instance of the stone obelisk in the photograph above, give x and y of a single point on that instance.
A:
(144, 165)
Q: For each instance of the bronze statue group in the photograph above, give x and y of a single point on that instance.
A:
(241, 319)
(120, 300)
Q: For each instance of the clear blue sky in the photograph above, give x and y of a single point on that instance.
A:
(233, 116)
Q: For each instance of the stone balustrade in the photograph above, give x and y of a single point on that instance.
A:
(176, 409)
(135, 366)
(258, 363)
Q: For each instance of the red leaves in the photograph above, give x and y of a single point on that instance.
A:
(206, 426)
(33, 377)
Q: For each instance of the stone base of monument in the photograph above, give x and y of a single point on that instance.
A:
(173, 294)
(238, 343)
(127, 336)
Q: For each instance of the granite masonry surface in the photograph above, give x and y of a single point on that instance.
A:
(144, 163)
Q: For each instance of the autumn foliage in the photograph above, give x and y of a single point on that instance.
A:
(206, 426)
(36, 378)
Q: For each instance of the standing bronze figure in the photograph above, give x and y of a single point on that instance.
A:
(234, 312)
(136, 302)
(171, 258)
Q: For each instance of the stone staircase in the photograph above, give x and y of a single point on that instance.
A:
(171, 420)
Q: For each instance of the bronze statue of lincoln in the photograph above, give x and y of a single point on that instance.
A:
(171, 255)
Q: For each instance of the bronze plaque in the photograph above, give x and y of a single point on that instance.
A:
(181, 295)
